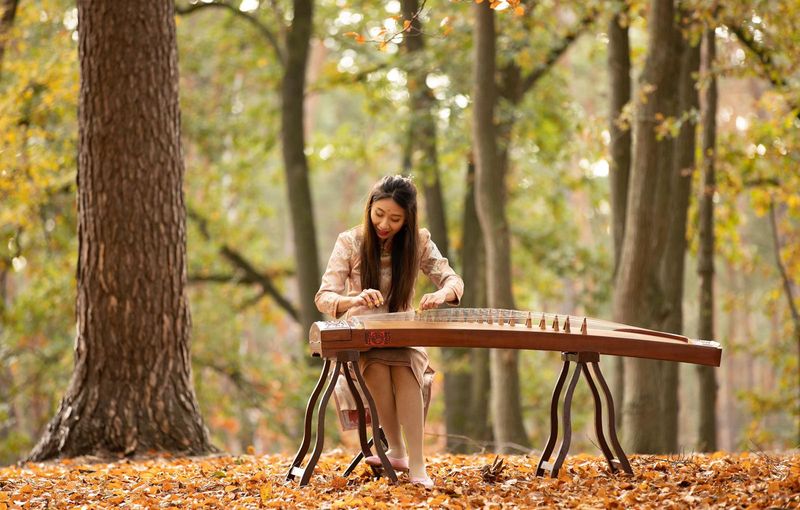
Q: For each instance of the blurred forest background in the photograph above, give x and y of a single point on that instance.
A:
(390, 88)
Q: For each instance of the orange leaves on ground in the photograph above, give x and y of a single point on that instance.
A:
(703, 481)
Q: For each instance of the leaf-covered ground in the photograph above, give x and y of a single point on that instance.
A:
(462, 481)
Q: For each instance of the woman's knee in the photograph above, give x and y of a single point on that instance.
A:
(403, 376)
(377, 373)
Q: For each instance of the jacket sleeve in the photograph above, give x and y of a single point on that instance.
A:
(333, 286)
(438, 269)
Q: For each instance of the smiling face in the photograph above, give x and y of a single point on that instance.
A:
(387, 217)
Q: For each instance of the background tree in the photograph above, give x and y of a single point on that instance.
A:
(301, 205)
(638, 295)
(680, 187)
(490, 198)
(707, 428)
(131, 390)
(619, 76)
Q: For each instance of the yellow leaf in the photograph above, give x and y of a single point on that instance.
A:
(406, 25)
(519, 10)
(266, 494)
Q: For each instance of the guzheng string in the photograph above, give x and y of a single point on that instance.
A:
(492, 315)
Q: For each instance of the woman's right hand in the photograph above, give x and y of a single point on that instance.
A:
(371, 298)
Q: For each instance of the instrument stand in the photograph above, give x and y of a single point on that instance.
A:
(346, 361)
(582, 361)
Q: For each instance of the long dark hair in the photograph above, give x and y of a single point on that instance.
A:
(405, 264)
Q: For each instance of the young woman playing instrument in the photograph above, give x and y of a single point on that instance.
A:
(373, 269)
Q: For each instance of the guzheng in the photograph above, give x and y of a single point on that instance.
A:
(581, 341)
(506, 329)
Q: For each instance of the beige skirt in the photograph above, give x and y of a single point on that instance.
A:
(414, 358)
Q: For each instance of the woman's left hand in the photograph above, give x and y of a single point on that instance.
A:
(434, 299)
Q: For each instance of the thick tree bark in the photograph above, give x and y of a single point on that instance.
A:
(673, 267)
(131, 388)
(638, 296)
(506, 410)
(293, 142)
(619, 73)
(707, 425)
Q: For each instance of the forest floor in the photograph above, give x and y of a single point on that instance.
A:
(719, 480)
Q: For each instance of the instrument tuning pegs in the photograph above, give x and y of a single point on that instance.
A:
(490, 321)
(529, 321)
(555, 323)
(566, 325)
(511, 319)
(583, 327)
(542, 323)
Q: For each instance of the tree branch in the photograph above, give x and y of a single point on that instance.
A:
(762, 181)
(249, 274)
(253, 391)
(787, 282)
(555, 53)
(762, 54)
(769, 70)
(260, 26)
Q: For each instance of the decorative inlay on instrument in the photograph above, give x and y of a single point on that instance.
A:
(581, 341)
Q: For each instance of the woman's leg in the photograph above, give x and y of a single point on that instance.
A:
(410, 412)
(379, 382)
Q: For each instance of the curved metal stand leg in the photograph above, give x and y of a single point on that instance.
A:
(362, 417)
(598, 418)
(323, 404)
(301, 453)
(612, 430)
(376, 429)
(544, 460)
(566, 421)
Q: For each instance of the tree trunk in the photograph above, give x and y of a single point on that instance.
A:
(788, 288)
(638, 296)
(131, 388)
(506, 410)
(6, 22)
(673, 267)
(619, 71)
(293, 141)
(421, 154)
(707, 426)
(9, 421)
(422, 128)
(473, 419)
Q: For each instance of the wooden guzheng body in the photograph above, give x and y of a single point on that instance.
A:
(506, 329)
(581, 341)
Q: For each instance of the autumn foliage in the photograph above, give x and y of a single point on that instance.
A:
(719, 480)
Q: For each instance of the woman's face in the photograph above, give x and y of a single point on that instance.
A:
(387, 217)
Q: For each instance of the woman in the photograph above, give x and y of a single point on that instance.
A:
(373, 269)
